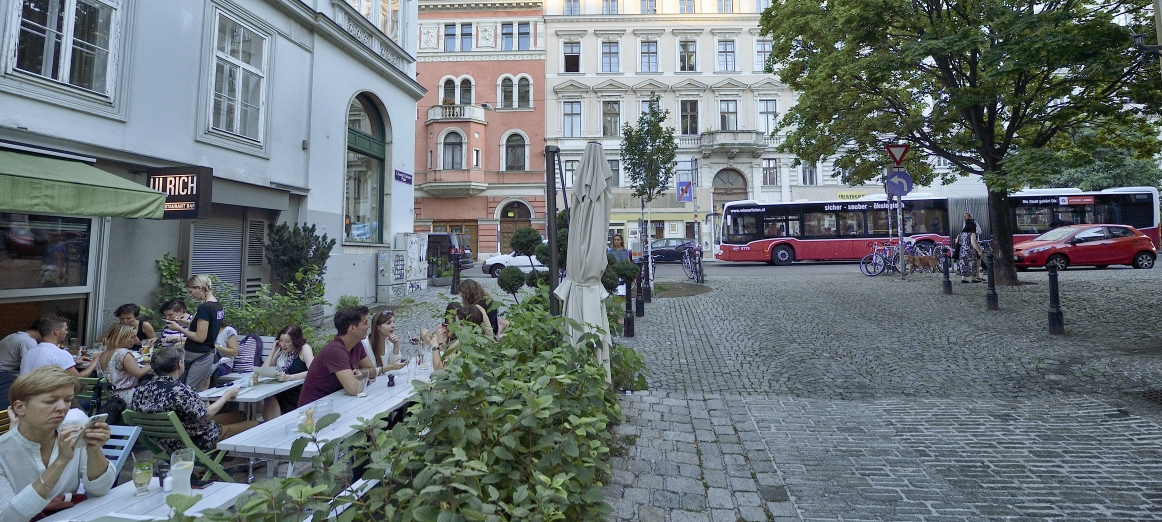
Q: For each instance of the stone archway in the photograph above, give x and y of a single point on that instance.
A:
(514, 215)
(729, 185)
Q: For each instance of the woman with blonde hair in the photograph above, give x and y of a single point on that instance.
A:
(42, 457)
(117, 363)
(200, 333)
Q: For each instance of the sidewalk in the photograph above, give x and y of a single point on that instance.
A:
(855, 398)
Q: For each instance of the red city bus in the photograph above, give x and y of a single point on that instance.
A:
(781, 233)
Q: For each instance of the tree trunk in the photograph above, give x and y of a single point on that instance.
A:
(1004, 271)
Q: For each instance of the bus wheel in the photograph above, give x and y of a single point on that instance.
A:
(783, 255)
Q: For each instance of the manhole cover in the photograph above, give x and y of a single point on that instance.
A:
(1153, 395)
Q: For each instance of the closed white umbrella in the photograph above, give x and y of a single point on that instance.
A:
(581, 292)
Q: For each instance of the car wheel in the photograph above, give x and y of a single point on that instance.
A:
(783, 255)
(1143, 260)
(1059, 261)
(496, 270)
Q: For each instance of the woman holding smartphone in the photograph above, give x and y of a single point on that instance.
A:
(200, 334)
(69, 454)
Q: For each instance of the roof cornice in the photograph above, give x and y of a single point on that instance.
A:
(480, 6)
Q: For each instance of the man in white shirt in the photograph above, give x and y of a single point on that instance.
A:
(53, 330)
(12, 350)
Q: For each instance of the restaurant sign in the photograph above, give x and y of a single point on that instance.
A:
(187, 190)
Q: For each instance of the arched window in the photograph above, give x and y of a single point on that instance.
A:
(465, 92)
(449, 92)
(453, 151)
(514, 152)
(524, 93)
(506, 97)
(516, 210)
(363, 182)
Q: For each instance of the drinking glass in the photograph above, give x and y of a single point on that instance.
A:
(323, 407)
(425, 359)
(142, 474)
(181, 466)
(363, 387)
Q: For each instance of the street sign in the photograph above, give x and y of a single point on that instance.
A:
(897, 152)
(684, 192)
(898, 182)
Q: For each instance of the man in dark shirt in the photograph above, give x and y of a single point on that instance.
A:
(166, 393)
(343, 363)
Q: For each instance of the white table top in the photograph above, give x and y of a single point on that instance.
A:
(270, 438)
(120, 500)
(254, 393)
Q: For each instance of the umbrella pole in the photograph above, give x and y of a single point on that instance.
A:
(551, 156)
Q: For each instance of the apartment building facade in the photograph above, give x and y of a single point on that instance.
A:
(480, 133)
(269, 110)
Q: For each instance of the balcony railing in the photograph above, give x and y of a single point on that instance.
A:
(733, 142)
(456, 112)
(689, 142)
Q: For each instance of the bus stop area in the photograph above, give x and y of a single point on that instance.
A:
(796, 395)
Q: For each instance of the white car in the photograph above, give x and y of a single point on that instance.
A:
(495, 264)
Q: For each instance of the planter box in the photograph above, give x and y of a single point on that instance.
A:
(440, 281)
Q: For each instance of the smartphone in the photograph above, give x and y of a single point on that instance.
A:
(100, 417)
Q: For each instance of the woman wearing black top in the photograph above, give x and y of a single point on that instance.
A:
(129, 314)
(471, 293)
(199, 345)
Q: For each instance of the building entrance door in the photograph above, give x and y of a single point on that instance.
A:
(513, 216)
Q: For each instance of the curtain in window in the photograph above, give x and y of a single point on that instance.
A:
(514, 153)
(453, 151)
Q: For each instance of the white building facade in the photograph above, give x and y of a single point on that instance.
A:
(304, 111)
(705, 59)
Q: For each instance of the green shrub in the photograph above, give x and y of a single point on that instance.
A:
(627, 367)
(517, 429)
(290, 250)
(510, 280)
(537, 278)
(266, 312)
(347, 301)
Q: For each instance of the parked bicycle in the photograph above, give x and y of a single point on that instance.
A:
(692, 263)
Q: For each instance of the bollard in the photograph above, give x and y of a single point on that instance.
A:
(947, 281)
(648, 290)
(1056, 318)
(455, 289)
(641, 305)
(628, 310)
(991, 295)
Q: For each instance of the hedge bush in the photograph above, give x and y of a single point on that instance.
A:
(512, 430)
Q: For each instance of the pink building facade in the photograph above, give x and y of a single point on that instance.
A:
(480, 130)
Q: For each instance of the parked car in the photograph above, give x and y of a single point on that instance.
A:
(495, 264)
(444, 245)
(670, 249)
(1089, 245)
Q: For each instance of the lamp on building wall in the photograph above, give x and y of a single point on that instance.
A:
(487, 106)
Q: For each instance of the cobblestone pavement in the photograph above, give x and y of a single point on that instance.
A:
(852, 398)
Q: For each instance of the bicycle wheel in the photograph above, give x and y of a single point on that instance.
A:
(698, 270)
(865, 264)
(688, 265)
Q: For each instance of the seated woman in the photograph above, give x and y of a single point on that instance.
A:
(166, 392)
(382, 332)
(443, 342)
(292, 357)
(129, 314)
(118, 365)
(38, 441)
(472, 294)
(226, 344)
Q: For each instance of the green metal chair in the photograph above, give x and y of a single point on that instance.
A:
(166, 425)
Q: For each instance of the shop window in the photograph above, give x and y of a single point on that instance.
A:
(43, 251)
(363, 184)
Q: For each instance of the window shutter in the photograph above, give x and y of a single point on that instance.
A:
(255, 254)
(217, 245)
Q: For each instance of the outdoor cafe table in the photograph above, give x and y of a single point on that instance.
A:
(120, 500)
(270, 440)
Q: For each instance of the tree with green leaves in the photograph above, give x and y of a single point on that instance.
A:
(989, 85)
(1098, 164)
(525, 241)
(647, 156)
(290, 250)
